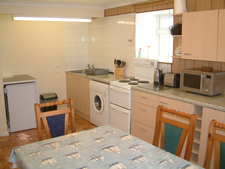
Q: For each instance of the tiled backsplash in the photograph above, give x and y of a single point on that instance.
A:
(100, 42)
(76, 45)
(166, 67)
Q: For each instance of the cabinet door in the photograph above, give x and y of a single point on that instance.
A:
(207, 116)
(142, 131)
(199, 35)
(221, 36)
(83, 94)
(78, 90)
(70, 86)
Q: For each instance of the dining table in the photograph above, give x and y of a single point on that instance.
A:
(98, 148)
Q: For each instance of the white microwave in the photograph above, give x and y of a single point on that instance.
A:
(207, 83)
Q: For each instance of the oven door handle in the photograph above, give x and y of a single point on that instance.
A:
(119, 89)
(120, 109)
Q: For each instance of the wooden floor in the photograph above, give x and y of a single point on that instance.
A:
(29, 136)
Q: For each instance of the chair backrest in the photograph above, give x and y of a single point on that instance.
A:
(63, 114)
(217, 142)
(173, 133)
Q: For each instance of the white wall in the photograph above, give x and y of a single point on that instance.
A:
(3, 125)
(34, 48)
(108, 39)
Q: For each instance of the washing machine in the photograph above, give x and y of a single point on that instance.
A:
(99, 103)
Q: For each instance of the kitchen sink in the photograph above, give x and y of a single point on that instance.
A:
(78, 71)
(96, 71)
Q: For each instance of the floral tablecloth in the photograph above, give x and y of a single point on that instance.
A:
(101, 147)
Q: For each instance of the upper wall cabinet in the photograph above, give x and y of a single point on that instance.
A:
(221, 36)
(199, 35)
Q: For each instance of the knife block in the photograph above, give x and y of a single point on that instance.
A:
(119, 71)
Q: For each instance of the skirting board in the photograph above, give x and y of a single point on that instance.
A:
(4, 134)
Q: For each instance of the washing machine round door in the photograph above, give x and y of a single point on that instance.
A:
(98, 103)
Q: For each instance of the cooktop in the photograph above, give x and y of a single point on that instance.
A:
(152, 86)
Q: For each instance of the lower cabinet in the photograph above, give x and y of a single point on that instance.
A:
(144, 115)
(78, 90)
(207, 116)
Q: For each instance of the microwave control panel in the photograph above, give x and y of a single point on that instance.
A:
(208, 83)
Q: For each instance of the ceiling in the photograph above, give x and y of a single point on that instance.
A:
(73, 3)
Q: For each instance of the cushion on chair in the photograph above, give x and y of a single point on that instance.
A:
(222, 155)
(171, 138)
(56, 125)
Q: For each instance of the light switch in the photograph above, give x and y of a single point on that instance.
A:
(130, 40)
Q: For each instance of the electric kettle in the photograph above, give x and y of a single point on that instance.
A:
(158, 76)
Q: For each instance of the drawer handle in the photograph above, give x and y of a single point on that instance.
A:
(143, 97)
(143, 129)
(143, 109)
(189, 54)
(163, 102)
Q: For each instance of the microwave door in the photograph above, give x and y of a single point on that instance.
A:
(193, 82)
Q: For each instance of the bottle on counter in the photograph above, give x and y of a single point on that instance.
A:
(140, 53)
(148, 56)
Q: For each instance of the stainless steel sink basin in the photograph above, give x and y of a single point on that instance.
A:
(96, 71)
(78, 71)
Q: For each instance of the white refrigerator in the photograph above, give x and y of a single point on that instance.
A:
(19, 100)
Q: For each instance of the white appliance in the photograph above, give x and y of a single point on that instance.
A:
(99, 103)
(21, 93)
(121, 93)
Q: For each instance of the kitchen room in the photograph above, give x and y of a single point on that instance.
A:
(39, 48)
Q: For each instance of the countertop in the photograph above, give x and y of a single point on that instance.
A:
(100, 78)
(18, 79)
(214, 102)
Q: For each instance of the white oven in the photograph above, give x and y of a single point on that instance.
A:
(121, 93)
(120, 107)
(120, 96)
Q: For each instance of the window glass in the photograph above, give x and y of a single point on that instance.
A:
(153, 35)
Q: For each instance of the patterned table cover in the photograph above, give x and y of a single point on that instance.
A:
(101, 147)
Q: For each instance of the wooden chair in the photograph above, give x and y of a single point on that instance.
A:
(217, 140)
(173, 133)
(63, 112)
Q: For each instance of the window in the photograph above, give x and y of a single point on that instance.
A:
(153, 35)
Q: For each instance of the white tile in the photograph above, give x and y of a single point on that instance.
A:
(67, 45)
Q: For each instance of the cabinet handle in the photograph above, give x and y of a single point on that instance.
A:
(143, 109)
(143, 97)
(189, 54)
(163, 102)
(143, 129)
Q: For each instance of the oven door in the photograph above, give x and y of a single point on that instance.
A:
(120, 118)
(193, 81)
(120, 96)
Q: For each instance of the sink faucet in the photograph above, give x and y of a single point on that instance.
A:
(89, 66)
(93, 67)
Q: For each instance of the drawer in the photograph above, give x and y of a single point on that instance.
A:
(178, 106)
(143, 132)
(145, 98)
(144, 114)
(175, 104)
